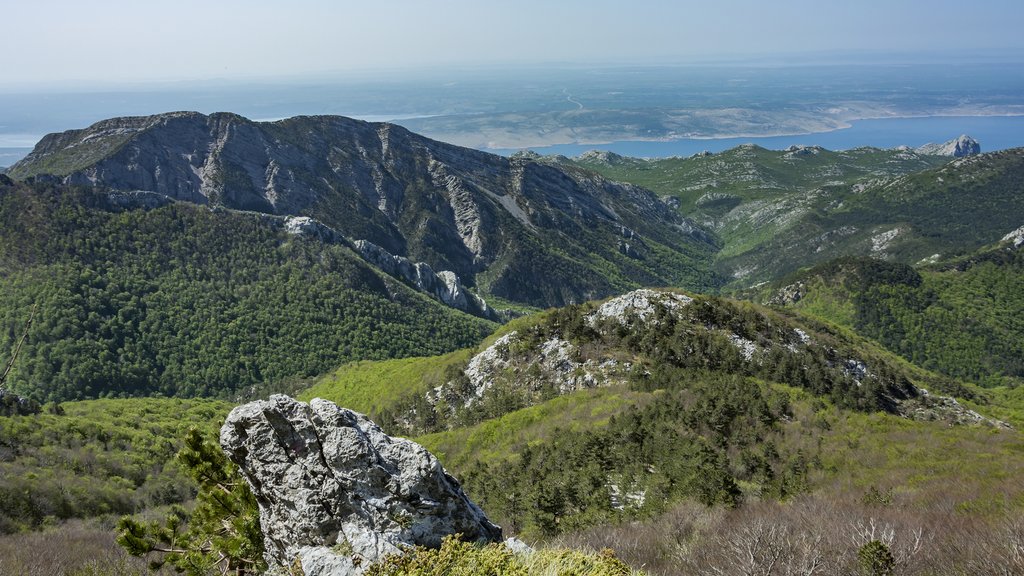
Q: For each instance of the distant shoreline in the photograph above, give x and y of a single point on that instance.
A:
(9, 155)
(846, 124)
(858, 133)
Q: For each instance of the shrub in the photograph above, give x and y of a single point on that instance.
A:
(457, 558)
(875, 559)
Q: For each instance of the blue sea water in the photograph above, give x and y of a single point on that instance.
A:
(992, 132)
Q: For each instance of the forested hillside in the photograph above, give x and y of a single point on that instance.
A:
(963, 318)
(181, 300)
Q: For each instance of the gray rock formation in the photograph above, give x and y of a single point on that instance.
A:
(957, 147)
(138, 199)
(311, 228)
(444, 285)
(336, 492)
(1017, 237)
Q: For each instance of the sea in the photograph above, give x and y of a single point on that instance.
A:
(992, 132)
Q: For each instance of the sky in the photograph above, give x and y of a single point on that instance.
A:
(126, 41)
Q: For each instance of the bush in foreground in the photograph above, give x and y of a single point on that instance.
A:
(457, 558)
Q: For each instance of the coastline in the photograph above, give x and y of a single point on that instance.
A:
(847, 123)
(850, 123)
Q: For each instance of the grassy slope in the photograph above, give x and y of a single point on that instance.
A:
(101, 457)
(368, 386)
(498, 439)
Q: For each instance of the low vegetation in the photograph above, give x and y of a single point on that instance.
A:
(458, 558)
(100, 458)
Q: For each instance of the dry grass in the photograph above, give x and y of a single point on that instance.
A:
(77, 548)
(812, 535)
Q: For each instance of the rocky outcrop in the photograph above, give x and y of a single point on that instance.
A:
(137, 200)
(638, 305)
(311, 228)
(512, 366)
(957, 147)
(444, 285)
(603, 157)
(1016, 237)
(336, 493)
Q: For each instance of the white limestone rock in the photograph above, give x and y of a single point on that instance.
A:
(1017, 237)
(959, 147)
(337, 493)
(444, 286)
(640, 304)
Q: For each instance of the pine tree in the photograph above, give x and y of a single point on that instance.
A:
(222, 533)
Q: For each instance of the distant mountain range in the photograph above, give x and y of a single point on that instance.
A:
(778, 211)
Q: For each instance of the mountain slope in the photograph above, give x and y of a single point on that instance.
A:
(644, 340)
(138, 295)
(778, 211)
(962, 317)
(614, 411)
(515, 228)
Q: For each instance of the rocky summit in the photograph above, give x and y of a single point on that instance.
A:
(959, 147)
(336, 493)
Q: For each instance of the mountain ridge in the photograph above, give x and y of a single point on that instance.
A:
(487, 218)
(778, 211)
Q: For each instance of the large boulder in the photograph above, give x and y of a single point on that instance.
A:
(336, 493)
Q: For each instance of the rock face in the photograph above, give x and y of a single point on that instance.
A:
(957, 147)
(336, 492)
(518, 228)
(311, 228)
(444, 286)
(639, 305)
(1017, 237)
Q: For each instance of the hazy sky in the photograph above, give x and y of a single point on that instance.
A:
(57, 41)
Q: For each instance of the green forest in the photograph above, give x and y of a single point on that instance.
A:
(185, 301)
(962, 318)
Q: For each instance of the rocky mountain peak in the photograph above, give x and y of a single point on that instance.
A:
(958, 147)
(337, 493)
